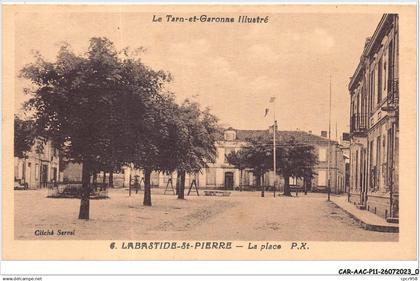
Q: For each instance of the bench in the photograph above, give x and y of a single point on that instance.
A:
(216, 193)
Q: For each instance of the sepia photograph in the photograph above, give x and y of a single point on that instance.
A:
(208, 128)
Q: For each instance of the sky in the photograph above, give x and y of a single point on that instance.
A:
(232, 68)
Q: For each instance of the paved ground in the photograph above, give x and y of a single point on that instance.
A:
(242, 216)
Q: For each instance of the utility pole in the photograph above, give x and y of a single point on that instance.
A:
(336, 160)
(274, 149)
(329, 146)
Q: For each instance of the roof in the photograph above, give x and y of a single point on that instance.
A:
(299, 136)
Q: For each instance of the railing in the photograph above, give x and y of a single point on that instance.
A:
(358, 123)
(393, 92)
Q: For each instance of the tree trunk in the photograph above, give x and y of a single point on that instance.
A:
(111, 178)
(258, 180)
(129, 185)
(262, 186)
(104, 178)
(85, 192)
(181, 187)
(178, 179)
(305, 185)
(287, 186)
(147, 192)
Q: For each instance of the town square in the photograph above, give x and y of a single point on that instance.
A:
(254, 137)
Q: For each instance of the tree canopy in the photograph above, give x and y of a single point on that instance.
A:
(106, 109)
(23, 137)
(293, 159)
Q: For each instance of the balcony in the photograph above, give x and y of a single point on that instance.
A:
(358, 124)
(393, 92)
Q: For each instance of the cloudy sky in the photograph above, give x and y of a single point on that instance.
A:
(232, 68)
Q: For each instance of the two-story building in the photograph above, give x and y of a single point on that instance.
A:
(38, 166)
(222, 175)
(374, 128)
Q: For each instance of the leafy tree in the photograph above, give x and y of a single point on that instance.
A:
(193, 141)
(94, 106)
(239, 159)
(154, 151)
(23, 136)
(307, 160)
(257, 155)
(295, 160)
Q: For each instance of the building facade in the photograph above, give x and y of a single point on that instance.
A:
(38, 167)
(221, 175)
(374, 128)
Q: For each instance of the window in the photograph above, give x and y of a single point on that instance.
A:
(36, 171)
(230, 135)
(357, 170)
(390, 64)
(54, 174)
(322, 154)
(372, 89)
(384, 150)
(385, 76)
(379, 96)
(154, 178)
(378, 151)
(322, 178)
(210, 176)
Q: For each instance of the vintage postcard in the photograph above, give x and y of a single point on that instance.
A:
(209, 132)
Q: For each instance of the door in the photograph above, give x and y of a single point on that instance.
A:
(54, 174)
(44, 175)
(363, 178)
(228, 180)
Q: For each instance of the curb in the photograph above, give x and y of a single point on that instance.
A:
(368, 226)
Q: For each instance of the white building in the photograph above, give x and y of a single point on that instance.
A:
(38, 167)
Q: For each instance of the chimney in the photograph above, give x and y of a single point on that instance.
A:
(324, 134)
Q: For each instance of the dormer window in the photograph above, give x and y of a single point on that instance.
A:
(230, 135)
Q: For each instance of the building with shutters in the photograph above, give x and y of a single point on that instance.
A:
(223, 175)
(374, 123)
(39, 166)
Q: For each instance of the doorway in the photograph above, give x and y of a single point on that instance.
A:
(44, 175)
(228, 180)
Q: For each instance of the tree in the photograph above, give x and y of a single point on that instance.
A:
(306, 162)
(23, 136)
(257, 156)
(193, 138)
(295, 160)
(154, 151)
(93, 106)
(238, 159)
